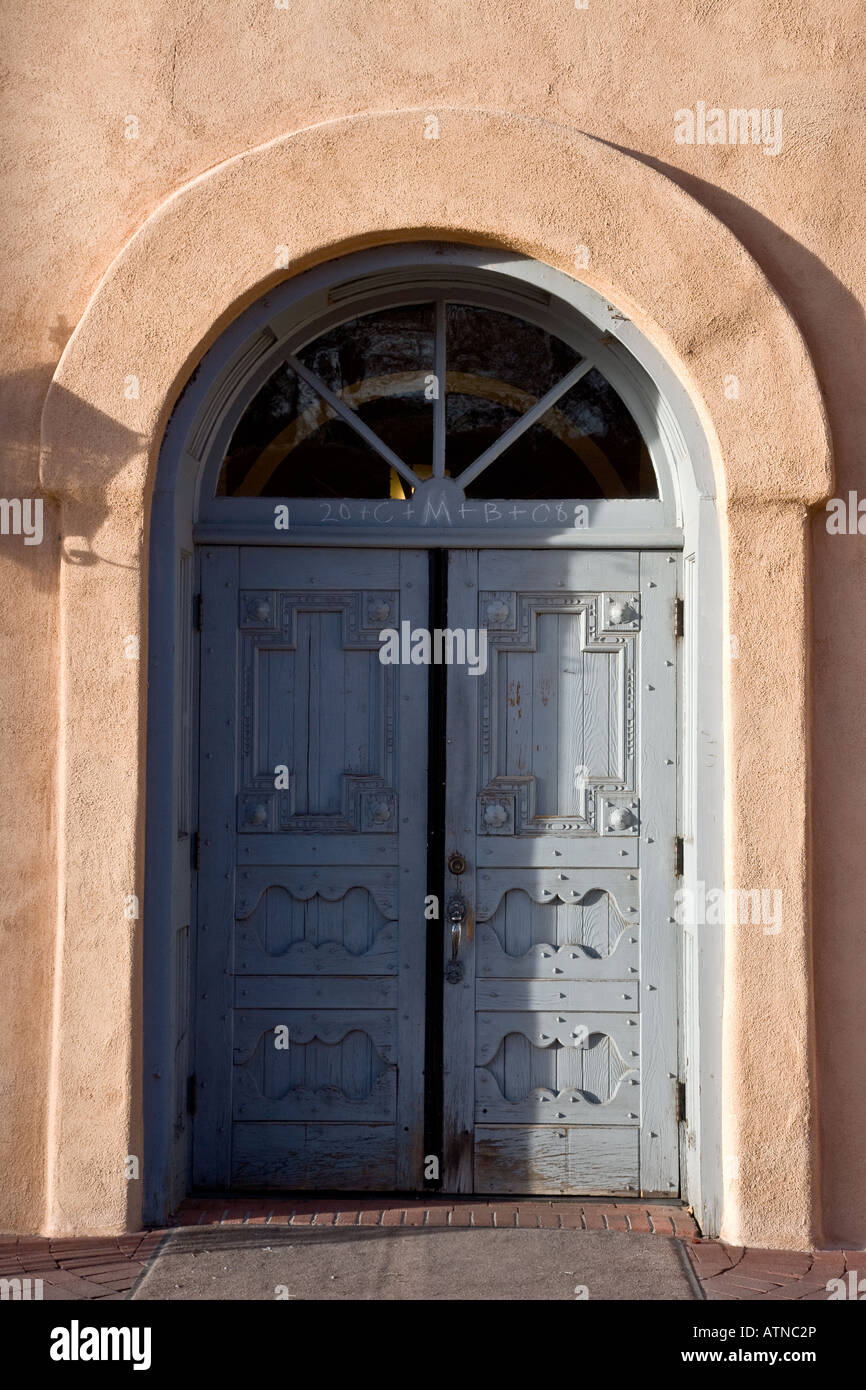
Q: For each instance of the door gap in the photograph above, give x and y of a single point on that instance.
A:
(434, 1032)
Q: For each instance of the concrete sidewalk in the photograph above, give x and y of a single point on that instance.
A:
(416, 1263)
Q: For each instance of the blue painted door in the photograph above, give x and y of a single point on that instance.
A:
(311, 957)
(560, 995)
(559, 1023)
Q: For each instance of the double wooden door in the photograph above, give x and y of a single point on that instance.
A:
(536, 848)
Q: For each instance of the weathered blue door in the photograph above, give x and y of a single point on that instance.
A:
(559, 1028)
(311, 955)
(560, 997)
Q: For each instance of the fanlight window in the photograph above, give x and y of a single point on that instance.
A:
(373, 407)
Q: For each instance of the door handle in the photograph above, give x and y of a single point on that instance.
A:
(456, 914)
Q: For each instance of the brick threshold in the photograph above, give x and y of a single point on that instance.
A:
(663, 1217)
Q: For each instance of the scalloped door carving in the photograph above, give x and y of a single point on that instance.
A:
(546, 1079)
(533, 933)
(286, 934)
(332, 1070)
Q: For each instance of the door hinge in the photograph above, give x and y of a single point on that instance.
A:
(681, 1102)
(679, 617)
(190, 1095)
(198, 612)
(195, 850)
(679, 856)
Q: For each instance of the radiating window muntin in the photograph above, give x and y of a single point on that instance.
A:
(443, 386)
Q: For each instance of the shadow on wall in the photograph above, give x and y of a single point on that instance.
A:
(833, 325)
(95, 447)
(30, 532)
(830, 319)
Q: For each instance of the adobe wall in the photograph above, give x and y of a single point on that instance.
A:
(205, 85)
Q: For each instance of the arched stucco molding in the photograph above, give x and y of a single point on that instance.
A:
(505, 180)
(538, 190)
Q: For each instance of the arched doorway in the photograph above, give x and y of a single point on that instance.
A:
(426, 514)
(183, 300)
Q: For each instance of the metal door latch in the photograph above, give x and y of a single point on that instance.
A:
(455, 913)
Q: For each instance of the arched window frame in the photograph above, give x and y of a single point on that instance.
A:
(301, 309)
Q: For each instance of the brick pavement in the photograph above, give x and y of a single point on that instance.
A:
(733, 1273)
(95, 1268)
(100, 1268)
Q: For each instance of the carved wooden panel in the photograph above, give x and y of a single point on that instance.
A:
(564, 1072)
(316, 700)
(312, 925)
(562, 931)
(557, 714)
(336, 1066)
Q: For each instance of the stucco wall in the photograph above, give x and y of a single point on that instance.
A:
(204, 84)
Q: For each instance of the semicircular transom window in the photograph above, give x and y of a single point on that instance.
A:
(379, 404)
